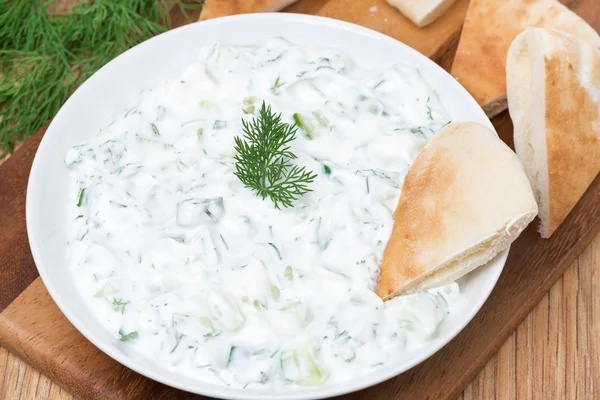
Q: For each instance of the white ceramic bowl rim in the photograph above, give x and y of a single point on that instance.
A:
(40, 230)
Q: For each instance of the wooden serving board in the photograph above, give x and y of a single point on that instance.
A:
(221, 8)
(32, 326)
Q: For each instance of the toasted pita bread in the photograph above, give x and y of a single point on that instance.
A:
(490, 27)
(422, 12)
(465, 198)
(553, 82)
(221, 8)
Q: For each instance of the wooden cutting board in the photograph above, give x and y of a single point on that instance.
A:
(32, 326)
(221, 8)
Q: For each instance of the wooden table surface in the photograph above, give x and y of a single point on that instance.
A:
(553, 354)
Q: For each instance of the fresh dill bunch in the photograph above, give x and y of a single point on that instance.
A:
(263, 159)
(45, 57)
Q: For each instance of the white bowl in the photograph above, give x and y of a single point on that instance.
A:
(119, 83)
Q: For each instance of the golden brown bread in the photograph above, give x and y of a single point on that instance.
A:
(490, 27)
(553, 81)
(464, 199)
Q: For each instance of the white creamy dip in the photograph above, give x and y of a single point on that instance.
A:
(185, 265)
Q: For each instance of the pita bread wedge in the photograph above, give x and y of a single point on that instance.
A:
(553, 82)
(490, 27)
(464, 199)
(220, 8)
(422, 12)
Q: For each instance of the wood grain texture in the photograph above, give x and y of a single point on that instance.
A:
(507, 375)
(432, 41)
(17, 269)
(221, 8)
(35, 329)
(553, 354)
(305, 6)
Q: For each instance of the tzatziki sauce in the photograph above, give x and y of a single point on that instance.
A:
(183, 264)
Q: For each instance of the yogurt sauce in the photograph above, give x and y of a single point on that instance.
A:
(182, 263)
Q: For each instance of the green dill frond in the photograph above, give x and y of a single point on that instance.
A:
(263, 160)
(45, 57)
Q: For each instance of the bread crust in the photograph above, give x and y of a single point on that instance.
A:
(490, 27)
(566, 119)
(464, 199)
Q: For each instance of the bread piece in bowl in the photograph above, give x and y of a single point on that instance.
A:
(465, 198)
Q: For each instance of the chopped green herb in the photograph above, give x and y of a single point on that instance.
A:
(327, 169)
(119, 305)
(276, 250)
(276, 86)
(231, 350)
(299, 120)
(45, 56)
(155, 130)
(177, 344)
(80, 200)
(180, 238)
(127, 337)
(224, 242)
(429, 112)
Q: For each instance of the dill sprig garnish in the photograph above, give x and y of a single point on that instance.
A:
(44, 57)
(263, 159)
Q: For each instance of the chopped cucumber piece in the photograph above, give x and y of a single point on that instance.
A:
(275, 292)
(225, 311)
(303, 124)
(220, 124)
(208, 105)
(300, 367)
(288, 272)
(194, 212)
(312, 123)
